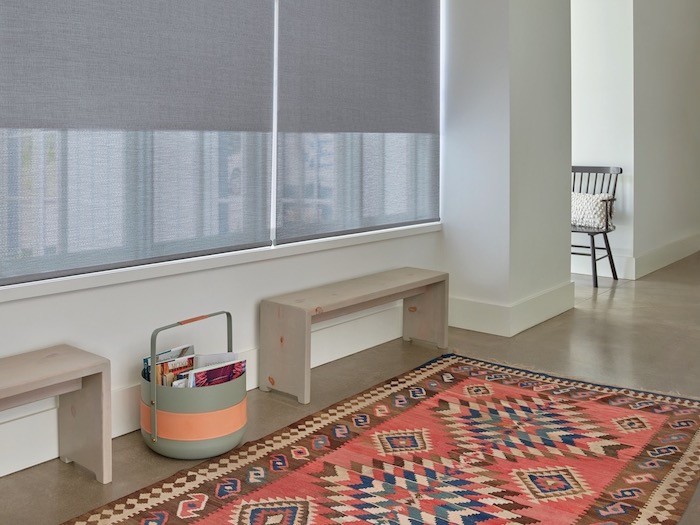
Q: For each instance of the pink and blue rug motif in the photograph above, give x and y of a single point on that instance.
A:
(455, 441)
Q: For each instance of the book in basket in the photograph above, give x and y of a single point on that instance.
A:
(215, 374)
(169, 370)
(166, 355)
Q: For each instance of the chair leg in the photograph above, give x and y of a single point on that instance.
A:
(594, 267)
(610, 258)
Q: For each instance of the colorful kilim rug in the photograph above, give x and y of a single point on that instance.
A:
(456, 441)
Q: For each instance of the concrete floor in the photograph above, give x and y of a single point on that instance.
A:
(642, 334)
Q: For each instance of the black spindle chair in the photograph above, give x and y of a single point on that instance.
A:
(596, 180)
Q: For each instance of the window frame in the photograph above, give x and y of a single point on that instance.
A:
(156, 270)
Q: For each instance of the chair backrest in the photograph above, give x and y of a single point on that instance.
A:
(594, 179)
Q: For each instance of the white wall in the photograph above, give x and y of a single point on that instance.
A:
(666, 132)
(506, 140)
(540, 146)
(476, 150)
(635, 104)
(117, 321)
(602, 113)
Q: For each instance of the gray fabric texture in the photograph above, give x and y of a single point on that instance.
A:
(137, 64)
(369, 66)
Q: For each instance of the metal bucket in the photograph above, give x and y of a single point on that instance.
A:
(193, 423)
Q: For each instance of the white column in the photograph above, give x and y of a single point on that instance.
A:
(506, 159)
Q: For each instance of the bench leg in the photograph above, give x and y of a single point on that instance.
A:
(85, 426)
(284, 359)
(425, 315)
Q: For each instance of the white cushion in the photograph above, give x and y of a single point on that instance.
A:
(590, 210)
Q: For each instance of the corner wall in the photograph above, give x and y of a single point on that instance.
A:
(666, 132)
(635, 85)
(506, 143)
(602, 114)
(540, 146)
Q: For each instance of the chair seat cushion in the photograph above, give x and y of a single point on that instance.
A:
(590, 210)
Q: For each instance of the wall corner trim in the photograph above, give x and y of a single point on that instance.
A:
(666, 254)
(511, 319)
(625, 265)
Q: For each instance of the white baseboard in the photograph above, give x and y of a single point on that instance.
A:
(125, 410)
(624, 264)
(629, 267)
(508, 320)
(33, 435)
(667, 254)
(344, 336)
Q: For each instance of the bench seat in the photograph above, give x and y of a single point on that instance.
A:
(81, 381)
(285, 320)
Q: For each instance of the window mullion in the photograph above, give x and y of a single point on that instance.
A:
(274, 161)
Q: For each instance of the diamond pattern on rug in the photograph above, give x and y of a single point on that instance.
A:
(478, 390)
(402, 441)
(551, 484)
(526, 427)
(631, 424)
(425, 491)
(273, 512)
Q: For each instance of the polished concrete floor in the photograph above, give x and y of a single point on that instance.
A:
(642, 334)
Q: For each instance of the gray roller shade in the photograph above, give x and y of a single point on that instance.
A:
(137, 64)
(359, 66)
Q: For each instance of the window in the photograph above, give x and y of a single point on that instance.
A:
(358, 116)
(87, 200)
(147, 134)
(132, 132)
(339, 183)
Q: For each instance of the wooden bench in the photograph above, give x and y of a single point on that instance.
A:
(81, 381)
(285, 321)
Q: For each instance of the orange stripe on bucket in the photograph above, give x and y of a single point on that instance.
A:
(195, 427)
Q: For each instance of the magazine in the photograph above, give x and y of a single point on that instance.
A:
(179, 367)
(168, 371)
(166, 355)
(215, 374)
(214, 359)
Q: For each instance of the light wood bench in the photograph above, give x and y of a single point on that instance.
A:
(81, 381)
(285, 321)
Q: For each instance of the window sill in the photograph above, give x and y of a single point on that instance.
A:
(74, 283)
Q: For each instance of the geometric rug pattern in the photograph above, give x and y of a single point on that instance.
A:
(455, 441)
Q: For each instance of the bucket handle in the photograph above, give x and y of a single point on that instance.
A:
(154, 335)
